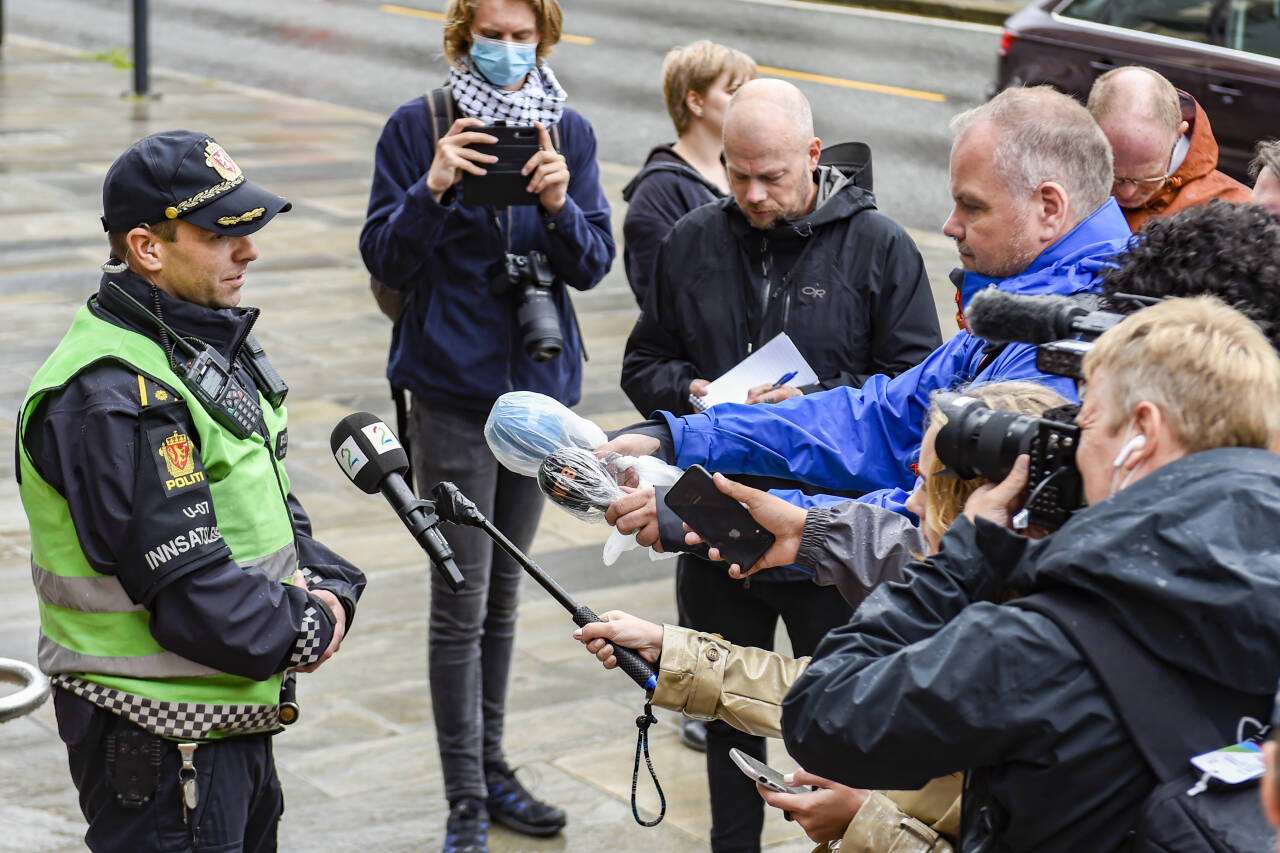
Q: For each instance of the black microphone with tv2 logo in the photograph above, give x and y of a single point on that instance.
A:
(371, 456)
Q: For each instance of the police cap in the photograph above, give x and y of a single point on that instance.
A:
(178, 174)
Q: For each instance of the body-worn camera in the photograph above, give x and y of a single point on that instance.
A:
(977, 441)
(527, 279)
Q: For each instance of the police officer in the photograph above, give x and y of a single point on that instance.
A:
(177, 576)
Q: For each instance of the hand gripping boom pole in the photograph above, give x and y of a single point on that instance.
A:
(452, 505)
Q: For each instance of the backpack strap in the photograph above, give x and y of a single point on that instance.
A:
(1163, 716)
(689, 172)
(441, 112)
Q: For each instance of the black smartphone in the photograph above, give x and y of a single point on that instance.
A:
(718, 518)
(502, 185)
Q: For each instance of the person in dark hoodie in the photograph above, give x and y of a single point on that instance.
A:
(796, 248)
(936, 674)
(697, 81)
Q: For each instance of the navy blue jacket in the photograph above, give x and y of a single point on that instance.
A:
(457, 343)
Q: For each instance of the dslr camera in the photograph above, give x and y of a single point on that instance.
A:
(527, 280)
(978, 441)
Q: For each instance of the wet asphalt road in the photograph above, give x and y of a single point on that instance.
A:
(373, 56)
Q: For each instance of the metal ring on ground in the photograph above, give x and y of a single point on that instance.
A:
(34, 691)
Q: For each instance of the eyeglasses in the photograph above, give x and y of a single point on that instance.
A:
(1147, 183)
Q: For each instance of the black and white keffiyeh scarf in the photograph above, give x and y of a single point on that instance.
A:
(541, 98)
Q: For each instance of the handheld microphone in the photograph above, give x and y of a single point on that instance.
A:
(1005, 318)
(369, 454)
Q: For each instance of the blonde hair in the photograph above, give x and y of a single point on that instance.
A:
(947, 495)
(693, 68)
(459, 16)
(1208, 368)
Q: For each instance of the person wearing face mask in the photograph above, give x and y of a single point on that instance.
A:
(938, 674)
(458, 346)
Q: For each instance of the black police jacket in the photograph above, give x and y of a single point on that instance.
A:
(932, 675)
(854, 299)
(85, 440)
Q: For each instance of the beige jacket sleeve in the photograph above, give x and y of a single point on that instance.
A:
(708, 678)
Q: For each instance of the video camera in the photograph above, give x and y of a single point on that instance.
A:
(978, 441)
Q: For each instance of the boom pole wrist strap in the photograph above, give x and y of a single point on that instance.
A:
(642, 745)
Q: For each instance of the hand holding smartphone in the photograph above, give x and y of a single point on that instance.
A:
(503, 185)
(719, 519)
(758, 771)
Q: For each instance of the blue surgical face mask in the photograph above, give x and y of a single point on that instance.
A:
(503, 63)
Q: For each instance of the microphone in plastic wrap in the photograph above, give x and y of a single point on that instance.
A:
(369, 454)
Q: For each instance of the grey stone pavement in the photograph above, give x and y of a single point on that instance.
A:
(360, 770)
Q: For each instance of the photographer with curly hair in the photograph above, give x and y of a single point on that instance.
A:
(1231, 251)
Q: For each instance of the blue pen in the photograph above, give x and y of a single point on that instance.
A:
(786, 377)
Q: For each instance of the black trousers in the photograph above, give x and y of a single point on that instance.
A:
(747, 614)
(239, 793)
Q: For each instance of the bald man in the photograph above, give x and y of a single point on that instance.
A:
(1166, 158)
(796, 248)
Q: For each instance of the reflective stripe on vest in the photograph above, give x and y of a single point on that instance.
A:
(89, 625)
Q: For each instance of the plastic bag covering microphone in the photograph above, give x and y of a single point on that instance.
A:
(576, 480)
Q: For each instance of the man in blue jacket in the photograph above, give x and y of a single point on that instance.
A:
(1031, 179)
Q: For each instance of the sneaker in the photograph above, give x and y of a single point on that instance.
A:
(468, 827)
(515, 808)
(693, 734)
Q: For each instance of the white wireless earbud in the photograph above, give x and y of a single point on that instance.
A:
(1127, 451)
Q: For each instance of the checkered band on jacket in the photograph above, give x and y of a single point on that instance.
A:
(309, 646)
(181, 720)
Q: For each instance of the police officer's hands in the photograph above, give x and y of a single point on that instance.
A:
(453, 157)
(824, 814)
(548, 173)
(339, 620)
(637, 512)
(624, 629)
(785, 521)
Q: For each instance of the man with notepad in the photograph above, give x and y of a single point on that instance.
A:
(794, 284)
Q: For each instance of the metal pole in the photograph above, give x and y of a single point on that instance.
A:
(140, 59)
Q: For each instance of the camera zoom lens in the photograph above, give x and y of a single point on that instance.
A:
(539, 324)
(980, 442)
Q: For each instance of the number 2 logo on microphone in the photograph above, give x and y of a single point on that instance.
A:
(381, 437)
(350, 458)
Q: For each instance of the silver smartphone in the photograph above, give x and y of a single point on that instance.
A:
(758, 771)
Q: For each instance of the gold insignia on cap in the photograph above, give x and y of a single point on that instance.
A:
(220, 161)
(247, 216)
(171, 213)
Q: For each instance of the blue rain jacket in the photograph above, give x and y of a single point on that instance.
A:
(864, 439)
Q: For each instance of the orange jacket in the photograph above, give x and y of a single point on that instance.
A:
(1197, 179)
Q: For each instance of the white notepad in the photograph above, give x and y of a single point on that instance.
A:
(765, 366)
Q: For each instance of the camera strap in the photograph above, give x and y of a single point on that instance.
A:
(642, 745)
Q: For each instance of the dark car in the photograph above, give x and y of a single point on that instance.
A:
(1224, 53)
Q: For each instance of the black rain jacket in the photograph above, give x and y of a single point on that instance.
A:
(855, 302)
(932, 675)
